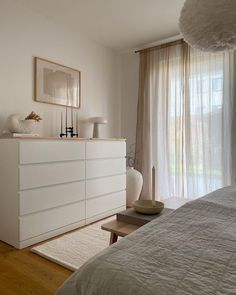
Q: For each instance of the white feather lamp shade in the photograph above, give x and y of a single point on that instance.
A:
(209, 25)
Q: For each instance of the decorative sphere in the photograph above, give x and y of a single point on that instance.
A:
(209, 25)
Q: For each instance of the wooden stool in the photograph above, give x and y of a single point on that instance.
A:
(118, 229)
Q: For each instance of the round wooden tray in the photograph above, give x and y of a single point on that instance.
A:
(146, 207)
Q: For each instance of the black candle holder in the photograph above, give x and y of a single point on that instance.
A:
(69, 132)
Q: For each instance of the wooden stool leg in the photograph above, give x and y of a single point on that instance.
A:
(113, 238)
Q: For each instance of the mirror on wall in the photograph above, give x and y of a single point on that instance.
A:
(57, 84)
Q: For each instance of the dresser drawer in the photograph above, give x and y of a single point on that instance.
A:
(39, 199)
(40, 223)
(33, 176)
(105, 167)
(51, 151)
(105, 149)
(105, 203)
(102, 186)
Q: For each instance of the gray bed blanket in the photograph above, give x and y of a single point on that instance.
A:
(191, 251)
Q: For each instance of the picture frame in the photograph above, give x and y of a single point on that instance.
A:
(57, 84)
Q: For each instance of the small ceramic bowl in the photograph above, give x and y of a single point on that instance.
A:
(146, 207)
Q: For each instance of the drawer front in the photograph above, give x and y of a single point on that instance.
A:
(105, 167)
(33, 176)
(105, 149)
(101, 186)
(51, 151)
(105, 203)
(39, 199)
(39, 223)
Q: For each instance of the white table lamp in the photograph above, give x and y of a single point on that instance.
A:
(96, 122)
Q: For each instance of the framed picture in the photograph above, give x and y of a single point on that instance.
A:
(57, 84)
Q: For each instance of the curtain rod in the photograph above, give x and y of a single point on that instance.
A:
(165, 45)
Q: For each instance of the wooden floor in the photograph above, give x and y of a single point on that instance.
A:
(23, 273)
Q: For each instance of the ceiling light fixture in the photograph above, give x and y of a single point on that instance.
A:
(209, 25)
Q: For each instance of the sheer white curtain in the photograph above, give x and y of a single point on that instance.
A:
(191, 107)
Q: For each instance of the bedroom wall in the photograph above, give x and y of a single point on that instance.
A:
(25, 34)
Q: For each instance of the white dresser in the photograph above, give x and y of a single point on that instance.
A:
(48, 187)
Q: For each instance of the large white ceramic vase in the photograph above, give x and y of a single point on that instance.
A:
(134, 185)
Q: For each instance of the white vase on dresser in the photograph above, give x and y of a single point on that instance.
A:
(49, 187)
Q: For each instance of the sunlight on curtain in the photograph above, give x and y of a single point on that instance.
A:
(191, 126)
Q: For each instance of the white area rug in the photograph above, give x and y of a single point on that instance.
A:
(74, 249)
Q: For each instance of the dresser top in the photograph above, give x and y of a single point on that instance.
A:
(62, 139)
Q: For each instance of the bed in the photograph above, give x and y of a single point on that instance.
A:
(189, 251)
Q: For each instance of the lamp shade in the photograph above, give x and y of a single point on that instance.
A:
(209, 25)
(98, 120)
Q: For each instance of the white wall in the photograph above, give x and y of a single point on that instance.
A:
(25, 34)
(129, 86)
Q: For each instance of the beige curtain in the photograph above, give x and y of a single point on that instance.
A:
(143, 148)
(184, 120)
